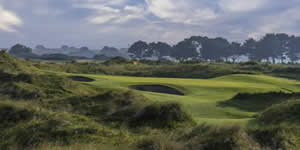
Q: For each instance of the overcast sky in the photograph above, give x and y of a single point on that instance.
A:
(96, 23)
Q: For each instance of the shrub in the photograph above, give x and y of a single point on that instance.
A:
(277, 137)
(159, 143)
(286, 112)
(161, 116)
(207, 137)
(11, 116)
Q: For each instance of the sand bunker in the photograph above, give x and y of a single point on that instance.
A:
(81, 79)
(157, 89)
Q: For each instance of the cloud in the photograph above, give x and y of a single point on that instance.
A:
(122, 22)
(102, 19)
(181, 11)
(97, 7)
(237, 6)
(104, 2)
(9, 20)
(107, 13)
(134, 9)
(286, 21)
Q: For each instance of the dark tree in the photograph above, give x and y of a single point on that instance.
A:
(84, 48)
(158, 49)
(185, 49)
(214, 49)
(249, 47)
(22, 51)
(138, 49)
(294, 45)
(18, 48)
(40, 47)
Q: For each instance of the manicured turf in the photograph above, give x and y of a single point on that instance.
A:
(202, 95)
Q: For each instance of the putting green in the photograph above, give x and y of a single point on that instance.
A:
(202, 95)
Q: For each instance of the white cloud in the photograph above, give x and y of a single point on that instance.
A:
(8, 20)
(97, 7)
(103, 2)
(285, 21)
(107, 13)
(241, 5)
(101, 19)
(255, 35)
(181, 11)
(44, 11)
(134, 9)
(127, 18)
(163, 8)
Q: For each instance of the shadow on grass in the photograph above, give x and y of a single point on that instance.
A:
(257, 102)
(157, 89)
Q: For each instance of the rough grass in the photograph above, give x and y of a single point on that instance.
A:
(11, 115)
(165, 115)
(36, 86)
(82, 146)
(277, 137)
(125, 107)
(13, 65)
(116, 106)
(208, 137)
(284, 113)
(220, 138)
(26, 125)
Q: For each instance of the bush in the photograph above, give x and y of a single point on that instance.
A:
(207, 137)
(113, 106)
(161, 116)
(286, 112)
(280, 137)
(159, 143)
(11, 116)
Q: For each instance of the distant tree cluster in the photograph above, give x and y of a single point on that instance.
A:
(271, 47)
(22, 51)
(141, 49)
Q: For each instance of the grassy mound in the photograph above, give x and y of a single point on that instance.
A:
(26, 125)
(207, 137)
(159, 142)
(163, 115)
(113, 106)
(20, 80)
(11, 115)
(12, 64)
(33, 86)
(277, 137)
(124, 107)
(257, 101)
(286, 112)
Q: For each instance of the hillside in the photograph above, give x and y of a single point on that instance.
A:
(42, 106)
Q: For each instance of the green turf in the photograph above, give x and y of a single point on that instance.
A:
(203, 95)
